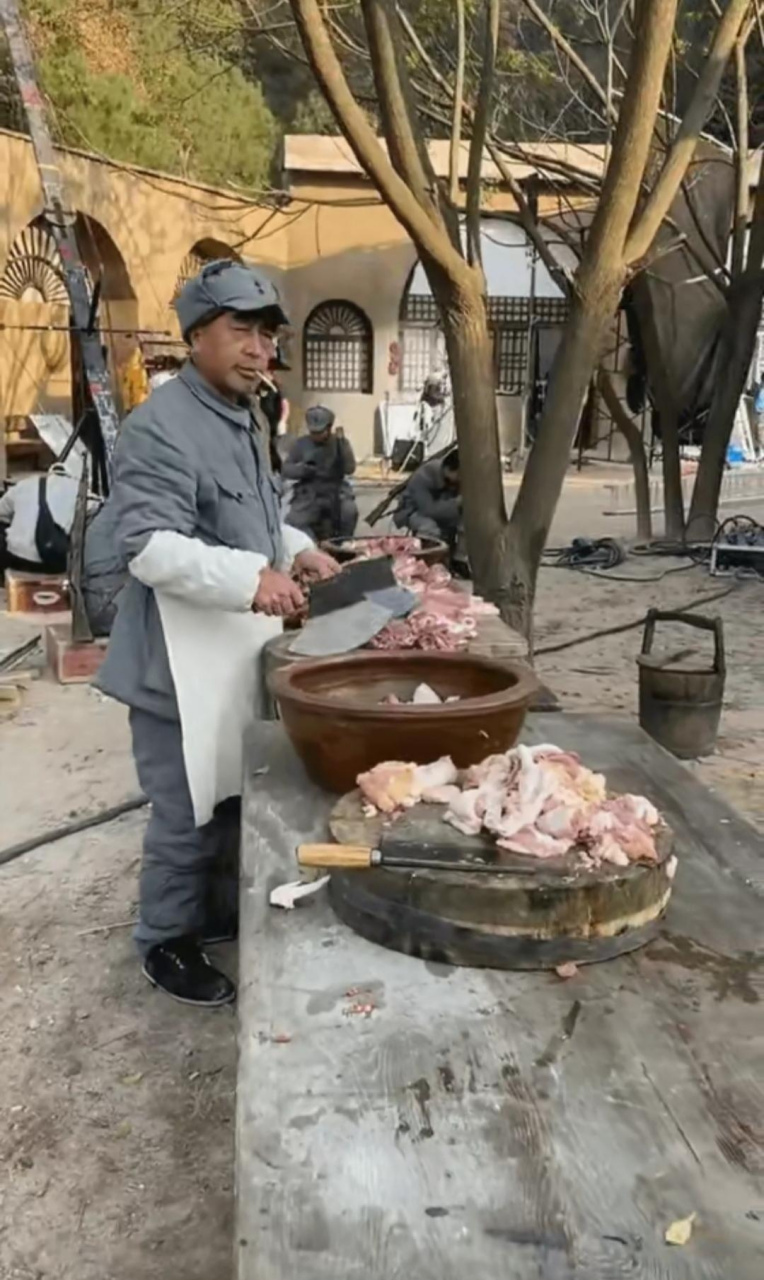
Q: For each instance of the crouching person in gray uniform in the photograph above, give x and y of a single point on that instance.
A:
(196, 517)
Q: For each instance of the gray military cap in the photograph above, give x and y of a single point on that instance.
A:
(225, 285)
(319, 419)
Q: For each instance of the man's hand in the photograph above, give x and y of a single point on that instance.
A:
(317, 566)
(277, 595)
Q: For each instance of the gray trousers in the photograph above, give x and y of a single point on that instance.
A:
(188, 873)
(424, 526)
(322, 516)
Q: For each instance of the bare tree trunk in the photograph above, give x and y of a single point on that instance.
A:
(470, 358)
(633, 437)
(577, 356)
(506, 554)
(673, 499)
(739, 341)
(739, 338)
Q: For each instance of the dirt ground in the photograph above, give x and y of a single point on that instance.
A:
(116, 1112)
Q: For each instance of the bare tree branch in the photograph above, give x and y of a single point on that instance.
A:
(408, 151)
(683, 147)
(479, 130)
(363, 141)
(565, 47)
(456, 126)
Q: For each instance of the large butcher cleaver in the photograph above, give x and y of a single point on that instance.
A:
(341, 631)
(352, 585)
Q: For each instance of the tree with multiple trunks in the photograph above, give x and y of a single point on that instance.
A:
(636, 193)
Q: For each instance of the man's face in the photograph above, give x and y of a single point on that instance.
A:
(321, 437)
(232, 351)
(451, 478)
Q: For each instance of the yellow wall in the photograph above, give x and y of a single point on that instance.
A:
(334, 240)
(154, 221)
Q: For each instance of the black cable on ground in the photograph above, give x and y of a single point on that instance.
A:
(586, 553)
(629, 626)
(72, 828)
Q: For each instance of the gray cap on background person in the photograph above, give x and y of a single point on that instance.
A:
(319, 419)
(225, 285)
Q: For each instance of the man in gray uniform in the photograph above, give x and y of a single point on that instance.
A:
(431, 504)
(318, 466)
(196, 518)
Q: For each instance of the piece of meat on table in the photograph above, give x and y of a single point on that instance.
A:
(628, 823)
(462, 813)
(395, 785)
(390, 786)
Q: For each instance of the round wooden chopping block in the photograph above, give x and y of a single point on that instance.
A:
(540, 915)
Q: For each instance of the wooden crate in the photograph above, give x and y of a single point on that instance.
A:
(73, 663)
(36, 592)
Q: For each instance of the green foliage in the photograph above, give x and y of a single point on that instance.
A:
(156, 87)
(313, 115)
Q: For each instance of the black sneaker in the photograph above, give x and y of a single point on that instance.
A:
(180, 968)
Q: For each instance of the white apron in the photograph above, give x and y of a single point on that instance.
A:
(215, 660)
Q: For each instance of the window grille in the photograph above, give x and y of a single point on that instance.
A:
(338, 349)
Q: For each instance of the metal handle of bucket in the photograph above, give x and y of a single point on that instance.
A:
(691, 620)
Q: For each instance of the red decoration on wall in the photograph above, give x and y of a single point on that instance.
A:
(394, 359)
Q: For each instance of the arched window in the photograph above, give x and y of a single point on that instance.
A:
(337, 349)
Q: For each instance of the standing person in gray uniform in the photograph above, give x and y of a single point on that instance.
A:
(318, 466)
(196, 518)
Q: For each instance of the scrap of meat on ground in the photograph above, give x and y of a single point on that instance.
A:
(538, 801)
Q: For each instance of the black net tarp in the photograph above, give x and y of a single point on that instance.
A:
(675, 308)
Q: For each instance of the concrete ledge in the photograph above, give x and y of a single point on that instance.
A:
(745, 483)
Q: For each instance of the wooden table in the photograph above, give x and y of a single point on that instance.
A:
(482, 1125)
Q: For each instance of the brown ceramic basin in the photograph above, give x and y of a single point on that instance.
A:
(433, 550)
(332, 710)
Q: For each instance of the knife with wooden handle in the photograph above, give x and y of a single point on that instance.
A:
(393, 853)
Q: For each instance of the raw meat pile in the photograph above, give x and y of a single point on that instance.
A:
(538, 801)
(445, 618)
(389, 545)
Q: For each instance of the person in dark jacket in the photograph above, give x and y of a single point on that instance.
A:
(275, 408)
(431, 504)
(318, 466)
